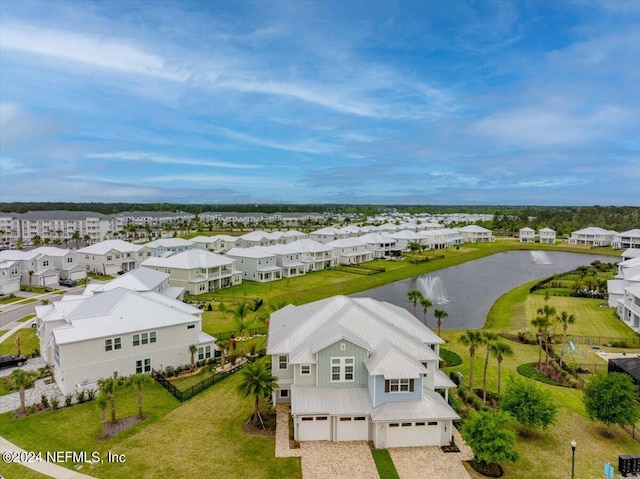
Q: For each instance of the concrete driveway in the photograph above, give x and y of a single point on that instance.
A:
(342, 460)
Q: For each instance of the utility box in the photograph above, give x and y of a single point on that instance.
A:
(626, 464)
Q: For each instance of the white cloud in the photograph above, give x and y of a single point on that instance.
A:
(9, 166)
(308, 146)
(167, 160)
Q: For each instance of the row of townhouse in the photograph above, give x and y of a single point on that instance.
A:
(357, 369)
(62, 224)
(254, 219)
(42, 267)
(624, 289)
(595, 236)
(545, 235)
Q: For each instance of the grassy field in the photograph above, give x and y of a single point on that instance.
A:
(28, 342)
(201, 438)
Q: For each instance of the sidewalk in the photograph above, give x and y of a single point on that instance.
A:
(47, 468)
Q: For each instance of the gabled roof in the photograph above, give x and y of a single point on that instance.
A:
(168, 243)
(407, 235)
(328, 231)
(190, 259)
(51, 251)
(104, 247)
(432, 407)
(121, 311)
(527, 229)
(256, 236)
(594, 230)
(249, 253)
(377, 238)
(139, 279)
(392, 364)
(346, 242)
(215, 239)
(547, 230)
(309, 246)
(473, 229)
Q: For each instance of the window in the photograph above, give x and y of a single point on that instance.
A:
(307, 419)
(204, 353)
(284, 393)
(432, 423)
(406, 424)
(144, 338)
(394, 424)
(305, 370)
(70, 260)
(398, 385)
(283, 362)
(45, 263)
(419, 424)
(108, 344)
(345, 419)
(152, 337)
(342, 369)
(117, 343)
(136, 340)
(191, 326)
(143, 366)
(321, 418)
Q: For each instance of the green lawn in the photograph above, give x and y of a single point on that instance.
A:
(384, 464)
(28, 342)
(26, 318)
(9, 300)
(201, 438)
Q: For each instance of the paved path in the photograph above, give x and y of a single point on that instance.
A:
(47, 468)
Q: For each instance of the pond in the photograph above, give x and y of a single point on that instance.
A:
(467, 291)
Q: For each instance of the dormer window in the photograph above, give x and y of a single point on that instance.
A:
(398, 385)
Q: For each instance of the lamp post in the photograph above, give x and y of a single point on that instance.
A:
(573, 459)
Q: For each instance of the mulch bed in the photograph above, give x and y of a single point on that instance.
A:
(269, 419)
(112, 430)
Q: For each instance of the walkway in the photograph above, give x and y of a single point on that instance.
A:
(353, 460)
(47, 468)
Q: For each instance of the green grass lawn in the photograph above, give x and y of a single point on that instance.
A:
(9, 299)
(384, 464)
(26, 318)
(201, 438)
(28, 342)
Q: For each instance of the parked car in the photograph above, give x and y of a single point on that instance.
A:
(68, 282)
(9, 360)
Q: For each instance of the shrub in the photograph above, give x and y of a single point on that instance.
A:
(449, 358)
(80, 396)
(55, 402)
(91, 394)
(31, 409)
(44, 400)
(35, 353)
(67, 400)
(453, 375)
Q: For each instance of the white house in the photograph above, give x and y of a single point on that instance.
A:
(476, 234)
(592, 236)
(316, 256)
(527, 235)
(357, 369)
(117, 333)
(141, 280)
(166, 247)
(10, 272)
(64, 260)
(627, 239)
(629, 307)
(547, 235)
(628, 275)
(441, 238)
(36, 269)
(256, 238)
(217, 243)
(407, 237)
(256, 264)
(383, 246)
(290, 260)
(325, 235)
(197, 271)
(110, 257)
(351, 251)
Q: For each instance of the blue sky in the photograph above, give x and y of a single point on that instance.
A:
(394, 102)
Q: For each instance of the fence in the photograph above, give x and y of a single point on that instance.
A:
(600, 340)
(224, 335)
(356, 270)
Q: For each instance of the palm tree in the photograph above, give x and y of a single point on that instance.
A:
(541, 323)
(22, 379)
(140, 379)
(548, 312)
(223, 345)
(500, 350)
(103, 399)
(472, 339)
(76, 237)
(440, 314)
(566, 319)
(426, 304)
(488, 339)
(257, 381)
(31, 273)
(107, 387)
(240, 314)
(414, 296)
(37, 241)
(193, 349)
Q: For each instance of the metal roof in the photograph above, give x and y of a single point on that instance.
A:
(190, 259)
(432, 408)
(330, 401)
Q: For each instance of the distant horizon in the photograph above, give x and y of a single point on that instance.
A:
(287, 102)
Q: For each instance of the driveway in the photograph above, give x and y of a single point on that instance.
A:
(337, 460)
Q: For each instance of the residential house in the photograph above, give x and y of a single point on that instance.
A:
(64, 260)
(325, 235)
(476, 234)
(117, 333)
(197, 271)
(527, 235)
(36, 268)
(216, 244)
(256, 264)
(407, 237)
(316, 256)
(110, 257)
(257, 238)
(628, 275)
(351, 251)
(547, 235)
(142, 280)
(357, 369)
(627, 239)
(290, 260)
(383, 246)
(629, 307)
(442, 238)
(10, 273)
(592, 236)
(166, 247)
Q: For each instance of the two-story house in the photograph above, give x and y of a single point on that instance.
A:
(627, 239)
(216, 243)
(527, 235)
(383, 246)
(197, 271)
(316, 256)
(547, 235)
(36, 268)
(10, 272)
(476, 234)
(117, 333)
(256, 264)
(351, 251)
(166, 247)
(110, 257)
(592, 236)
(357, 369)
(65, 261)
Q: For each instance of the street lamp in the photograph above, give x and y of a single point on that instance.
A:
(573, 459)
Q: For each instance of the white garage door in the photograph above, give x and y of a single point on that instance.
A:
(353, 428)
(76, 275)
(314, 428)
(406, 434)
